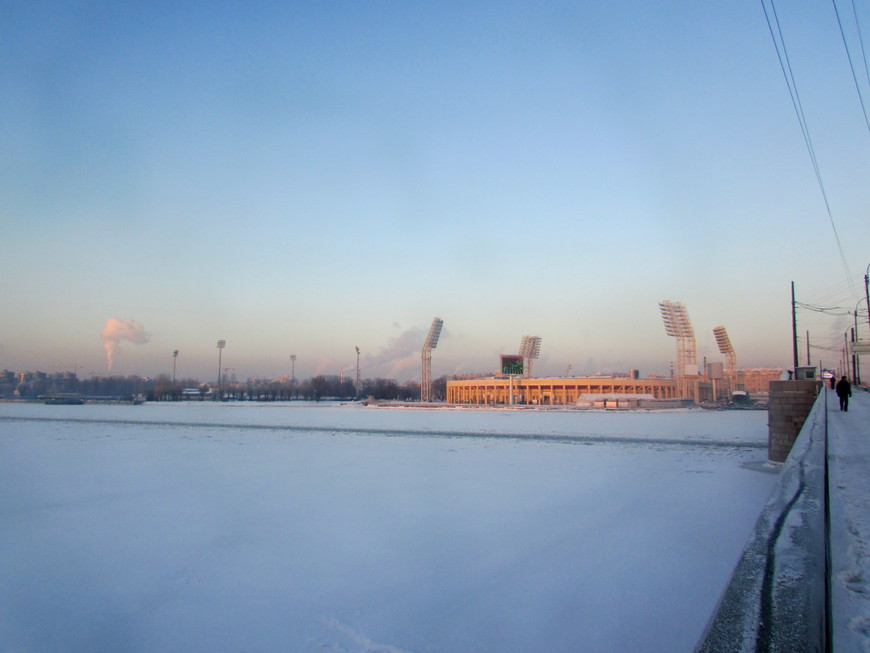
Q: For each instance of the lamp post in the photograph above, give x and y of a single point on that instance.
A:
(357, 372)
(220, 345)
(174, 358)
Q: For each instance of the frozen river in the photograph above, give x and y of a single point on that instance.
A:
(303, 527)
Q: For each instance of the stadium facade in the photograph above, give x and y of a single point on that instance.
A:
(554, 391)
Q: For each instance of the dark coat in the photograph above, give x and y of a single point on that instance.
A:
(844, 388)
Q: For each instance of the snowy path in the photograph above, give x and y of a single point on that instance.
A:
(849, 470)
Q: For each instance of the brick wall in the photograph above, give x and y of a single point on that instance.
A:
(790, 403)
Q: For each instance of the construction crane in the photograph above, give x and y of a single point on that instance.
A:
(530, 349)
(428, 346)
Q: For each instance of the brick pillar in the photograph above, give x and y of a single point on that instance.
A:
(789, 404)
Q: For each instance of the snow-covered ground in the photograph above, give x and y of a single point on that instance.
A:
(238, 527)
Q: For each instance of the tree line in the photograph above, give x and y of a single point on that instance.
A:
(317, 388)
(163, 388)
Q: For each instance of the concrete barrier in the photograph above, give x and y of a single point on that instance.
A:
(789, 404)
(776, 598)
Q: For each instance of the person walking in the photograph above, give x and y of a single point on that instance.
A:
(844, 391)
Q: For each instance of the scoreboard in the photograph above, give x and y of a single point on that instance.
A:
(511, 364)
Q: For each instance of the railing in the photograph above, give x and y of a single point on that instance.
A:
(777, 598)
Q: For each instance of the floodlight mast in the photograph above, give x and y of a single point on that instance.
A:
(428, 346)
(678, 325)
(525, 345)
(725, 348)
(530, 349)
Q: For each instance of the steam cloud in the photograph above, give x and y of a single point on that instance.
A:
(117, 330)
(398, 359)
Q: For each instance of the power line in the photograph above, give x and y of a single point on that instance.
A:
(831, 310)
(788, 74)
(824, 348)
(835, 292)
(861, 42)
(849, 56)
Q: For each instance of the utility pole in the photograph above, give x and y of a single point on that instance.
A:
(808, 351)
(854, 358)
(845, 367)
(794, 330)
(867, 292)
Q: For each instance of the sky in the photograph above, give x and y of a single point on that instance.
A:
(307, 178)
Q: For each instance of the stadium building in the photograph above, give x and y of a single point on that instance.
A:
(559, 391)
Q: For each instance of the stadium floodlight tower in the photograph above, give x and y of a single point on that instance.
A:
(428, 346)
(725, 348)
(220, 346)
(679, 326)
(530, 349)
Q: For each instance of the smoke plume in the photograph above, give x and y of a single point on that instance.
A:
(117, 330)
(399, 359)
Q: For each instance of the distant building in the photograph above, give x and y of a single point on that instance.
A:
(555, 391)
(756, 381)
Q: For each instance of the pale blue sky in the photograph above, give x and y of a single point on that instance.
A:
(304, 178)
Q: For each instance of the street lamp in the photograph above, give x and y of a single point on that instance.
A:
(174, 358)
(357, 372)
(220, 345)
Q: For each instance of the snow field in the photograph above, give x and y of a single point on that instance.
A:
(173, 534)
